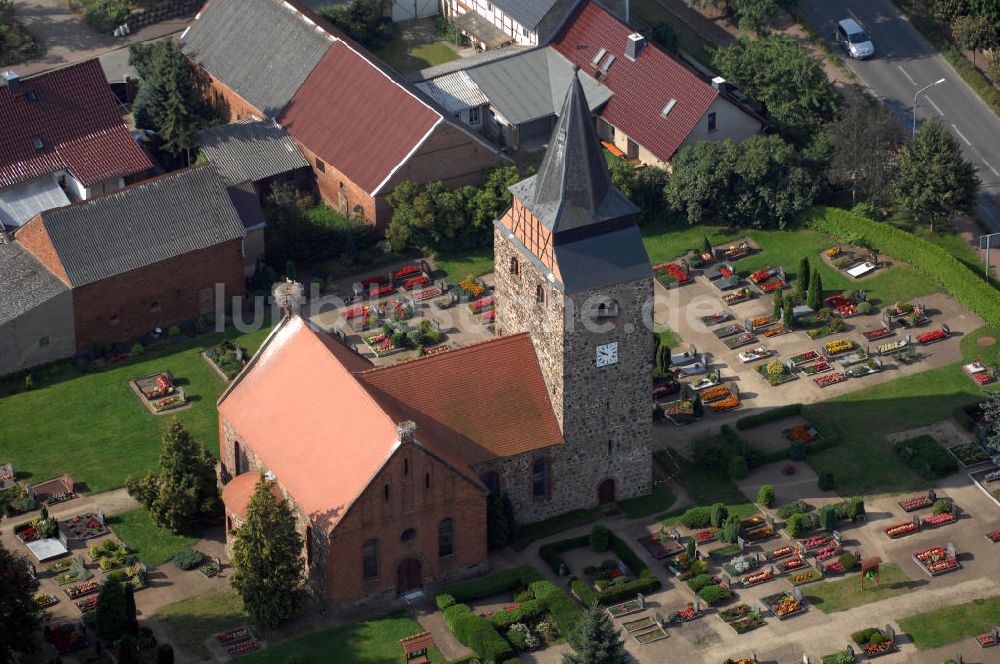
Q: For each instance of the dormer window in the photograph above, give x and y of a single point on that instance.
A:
(37, 142)
(31, 96)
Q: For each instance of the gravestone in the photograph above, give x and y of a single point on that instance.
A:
(674, 534)
(950, 549)
(797, 593)
(932, 495)
(916, 521)
(697, 606)
(890, 632)
(100, 517)
(741, 543)
(836, 537)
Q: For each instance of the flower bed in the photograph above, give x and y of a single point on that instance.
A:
(755, 521)
(983, 378)
(816, 369)
(993, 536)
(684, 615)
(775, 332)
(900, 530)
(82, 589)
(426, 294)
(935, 561)
(915, 503)
(762, 321)
(818, 542)
(410, 284)
(760, 276)
(66, 638)
(828, 551)
(85, 526)
(729, 331)
(969, 454)
(626, 608)
(382, 291)
(804, 358)
(783, 605)
(741, 618)
(878, 333)
(775, 379)
(942, 519)
(156, 386)
(707, 535)
(472, 286)
(408, 271)
(791, 565)
(679, 412)
(838, 300)
(381, 345)
(878, 648)
(675, 271)
(806, 577)
(802, 432)
(781, 552)
(847, 310)
(375, 281)
(731, 402)
(988, 639)
(892, 347)
(714, 393)
(716, 318)
(830, 379)
(834, 567)
(754, 354)
(228, 357)
(932, 336)
(737, 296)
(838, 347)
(740, 340)
(756, 578)
(661, 545)
(481, 305)
(45, 600)
(772, 286)
(87, 604)
(357, 312)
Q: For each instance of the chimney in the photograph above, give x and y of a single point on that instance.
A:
(12, 80)
(405, 431)
(633, 48)
(720, 84)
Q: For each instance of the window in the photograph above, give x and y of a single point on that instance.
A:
(154, 307)
(37, 142)
(320, 166)
(408, 536)
(406, 466)
(606, 309)
(515, 267)
(369, 560)
(44, 341)
(711, 121)
(524, 31)
(540, 478)
(609, 447)
(540, 294)
(387, 493)
(474, 115)
(427, 481)
(492, 481)
(446, 538)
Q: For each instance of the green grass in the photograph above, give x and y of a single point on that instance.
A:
(366, 642)
(949, 624)
(533, 531)
(191, 621)
(846, 593)
(405, 58)
(926, 456)
(668, 337)
(153, 545)
(659, 501)
(707, 487)
(93, 427)
(458, 265)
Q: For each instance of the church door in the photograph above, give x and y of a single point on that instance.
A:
(606, 492)
(408, 576)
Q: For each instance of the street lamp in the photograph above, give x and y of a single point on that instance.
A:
(915, 94)
(984, 243)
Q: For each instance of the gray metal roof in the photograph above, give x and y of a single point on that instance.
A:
(142, 225)
(572, 190)
(258, 48)
(529, 13)
(24, 282)
(533, 85)
(455, 92)
(18, 204)
(250, 151)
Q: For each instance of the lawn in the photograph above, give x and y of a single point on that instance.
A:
(458, 265)
(92, 425)
(366, 642)
(707, 487)
(152, 544)
(533, 531)
(191, 621)
(405, 57)
(659, 501)
(952, 623)
(846, 593)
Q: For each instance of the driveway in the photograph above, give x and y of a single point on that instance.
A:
(904, 63)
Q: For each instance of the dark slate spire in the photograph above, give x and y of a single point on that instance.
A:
(573, 190)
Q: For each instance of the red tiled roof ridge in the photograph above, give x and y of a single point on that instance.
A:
(449, 354)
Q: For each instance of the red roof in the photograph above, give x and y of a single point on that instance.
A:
(75, 115)
(237, 493)
(643, 88)
(357, 119)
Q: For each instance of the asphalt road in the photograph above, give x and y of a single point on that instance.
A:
(904, 62)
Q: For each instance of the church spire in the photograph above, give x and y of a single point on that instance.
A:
(573, 189)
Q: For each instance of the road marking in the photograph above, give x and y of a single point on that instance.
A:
(961, 135)
(940, 112)
(990, 166)
(910, 78)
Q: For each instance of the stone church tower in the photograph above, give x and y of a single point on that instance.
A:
(571, 270)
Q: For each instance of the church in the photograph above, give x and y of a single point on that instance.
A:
(388, 469)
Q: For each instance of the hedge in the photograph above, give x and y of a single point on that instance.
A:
(842, 657)
(714, 594)
(550, 552)
(563, 610)
(492, 584)
(768, 416)
(487, 643)
(929, 259)
(583, 592)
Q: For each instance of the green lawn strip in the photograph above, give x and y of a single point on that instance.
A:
(659, 501)
(368, 641)
(189, 622)
(668, 337)
(404, 58)
(707, 487)
(153, 545)
(458, 265)
(949, 624)
(846, 593)
(533, 531)
(92, 425)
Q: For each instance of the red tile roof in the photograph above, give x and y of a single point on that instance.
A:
(76, 116)
(357, 119)
(236, 494)
(643, 88)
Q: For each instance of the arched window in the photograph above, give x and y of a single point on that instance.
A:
(515, 267)
(387, 493)
(427, 480)
(406, 466)
(408, 536)
(492, 481)
(606, 308)
(540, 478)
(446, 538)
(540, 294)
(369, 560)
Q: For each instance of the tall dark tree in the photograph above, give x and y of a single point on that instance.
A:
(866, 141)
(111, 614)
(664, 36)
(20, 617)
(777, 303)
(787, 313)
(935, 181)
(815, 298)
(363, 20)
(802, 278)
(267, 558)
(185, 492)
(595, 640)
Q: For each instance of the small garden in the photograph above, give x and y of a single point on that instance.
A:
(875, 642)
(398, 337)
(159, 392)
(926, 457)
(228, 358)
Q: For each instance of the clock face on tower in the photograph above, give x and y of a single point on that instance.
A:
(607, 354)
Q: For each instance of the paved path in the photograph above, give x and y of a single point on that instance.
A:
(67, 39)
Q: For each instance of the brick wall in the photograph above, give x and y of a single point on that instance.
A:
(157, 295)
(34, 237)
(339, 192)
(227, 104)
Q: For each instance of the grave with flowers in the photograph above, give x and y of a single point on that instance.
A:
(159, 392)
(784, 604)
(876, 642)
(937, 560)
(988, 639)
(663, 544)
(85, 526)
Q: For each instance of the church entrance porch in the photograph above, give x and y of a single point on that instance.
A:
(606, 492)
(408, 576)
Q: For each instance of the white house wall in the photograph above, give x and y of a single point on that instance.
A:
(730, 122)
(43, 334)
(506, 24)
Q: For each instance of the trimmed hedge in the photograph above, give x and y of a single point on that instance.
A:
(550, 552)
(492, 584)
(444, 601)
(712, 595)
(923, 455)
(583, 592)
(563, 610)
(929, 259)
(768, 416)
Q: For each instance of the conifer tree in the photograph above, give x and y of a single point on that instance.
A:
(267, 558)
(802, 278)
(595, 640)
(779, 303)
(815, 298)
(787, 316)
(20, 617)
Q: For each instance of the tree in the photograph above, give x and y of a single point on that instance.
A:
(827, 517)
(185, 492)
(935, 181)
(110, 616)
(784, 78)
(754, 15)
(719, 514)
(866, 140)
(947, 10)
(763, 182)
(500, 525)
(778, 303)
(595, 640)
(664, 36)
(167, 101)
(815, 298)
(991, 415)
(766, 496)
(20, 616)
(738, 467)
(698, 408)
(267, 558)
(731, 529)
(363, 20)
(973, 33)
(993, 66)
(788, 313)
(706, 245)
(802, 278)
(988, 9)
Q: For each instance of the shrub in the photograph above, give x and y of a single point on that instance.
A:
(106, 15)
(697, 517)
(865, 635)
(794, 507)
(766, 496)
(712, 595)
(719, 514)
(864, 308)
(827, 517)
(599, 538)
(775, 368)
(798, 524)
(187, 558)
(618, 593)
(583, 592)
(487, 643)
(137, 350)
(826, 481)
(841, 657)
(941, 506)
(173, 331)
(443, 601)
(856, 507)
(696, 583)
(710, 453)
(738, 468)
(926, 457)
(492, 584)
(550, 552)
(848, 560)
(731, 529)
